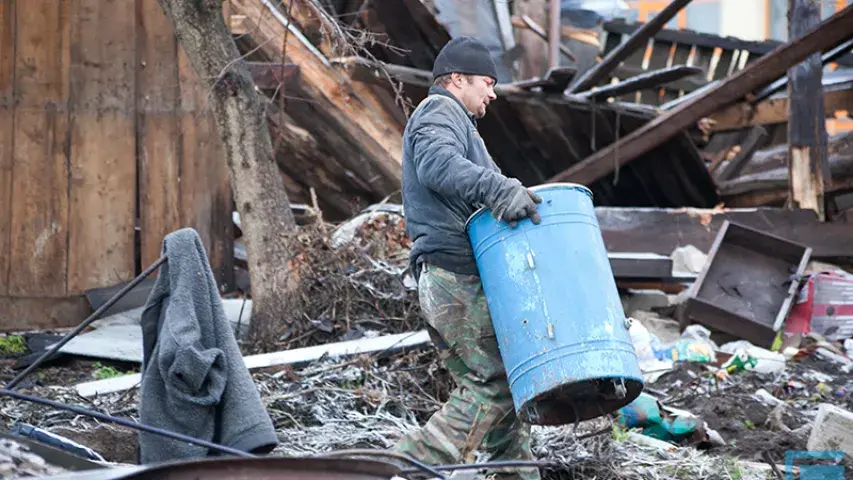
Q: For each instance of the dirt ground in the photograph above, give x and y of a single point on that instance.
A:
(749, 426)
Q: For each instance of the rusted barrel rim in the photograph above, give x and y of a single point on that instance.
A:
(544, 186)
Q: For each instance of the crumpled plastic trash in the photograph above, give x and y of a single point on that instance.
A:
(647, 413)
(645, 345)
(656, 358)
(688, 350)
(746, 356)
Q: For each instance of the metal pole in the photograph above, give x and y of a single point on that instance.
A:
(554, 34)
(94, 316)
(125, 423)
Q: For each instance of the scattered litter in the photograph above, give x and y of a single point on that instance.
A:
(824, 306)
(647, 413)
(746, 356)
(767, 398)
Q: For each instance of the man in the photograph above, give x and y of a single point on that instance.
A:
(447, 176)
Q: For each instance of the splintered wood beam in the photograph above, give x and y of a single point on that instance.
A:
(638, 39)
(830, 33)
(775, 110)
(808, 164)
(270, 75)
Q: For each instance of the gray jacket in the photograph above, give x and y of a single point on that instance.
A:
(194, 380)
(447, 175)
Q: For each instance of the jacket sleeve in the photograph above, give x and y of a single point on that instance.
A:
(438, 144)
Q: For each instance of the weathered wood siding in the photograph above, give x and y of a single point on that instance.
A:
(106, 145)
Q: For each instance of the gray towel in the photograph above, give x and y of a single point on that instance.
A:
(194, 380)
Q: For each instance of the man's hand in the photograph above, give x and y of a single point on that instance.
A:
(518, 203)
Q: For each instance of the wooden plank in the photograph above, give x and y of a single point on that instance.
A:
(205, 192)
(41, 313)
(7, 111)
(652, 81)
(774, 110)
(627, 229)
(103, 147)
(310, 13)
(39, 218)
(158, 137)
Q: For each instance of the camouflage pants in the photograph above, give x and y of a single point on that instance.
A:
(480, 412)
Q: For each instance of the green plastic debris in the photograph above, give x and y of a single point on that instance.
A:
(646, 412)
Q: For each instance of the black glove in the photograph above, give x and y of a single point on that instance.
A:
(516, 204)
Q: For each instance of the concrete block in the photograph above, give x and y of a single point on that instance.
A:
(832, 430)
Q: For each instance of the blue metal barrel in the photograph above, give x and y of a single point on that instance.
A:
(561, 329)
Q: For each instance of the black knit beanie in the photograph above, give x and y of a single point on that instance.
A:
(464, 55)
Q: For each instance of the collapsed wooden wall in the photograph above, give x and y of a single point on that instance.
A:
(102, 126)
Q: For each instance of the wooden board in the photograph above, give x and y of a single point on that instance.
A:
(158, 137)
(103, 150)
(205, 192)
(28, 314)
(39, 186)
(7, 111)
(627, 229)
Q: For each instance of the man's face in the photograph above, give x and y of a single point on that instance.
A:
(477, 91)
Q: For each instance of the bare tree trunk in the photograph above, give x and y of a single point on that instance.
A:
(267, 221)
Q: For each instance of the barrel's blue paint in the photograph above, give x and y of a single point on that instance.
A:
(559, 321)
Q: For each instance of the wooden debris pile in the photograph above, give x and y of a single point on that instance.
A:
(354, 281)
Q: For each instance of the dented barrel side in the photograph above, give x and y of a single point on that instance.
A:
(559, 321)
